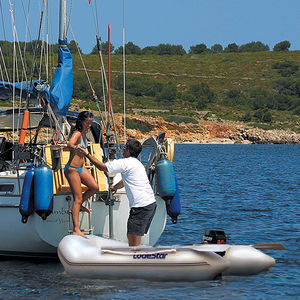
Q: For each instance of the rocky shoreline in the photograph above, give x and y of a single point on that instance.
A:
(206, 132)
(259, 136)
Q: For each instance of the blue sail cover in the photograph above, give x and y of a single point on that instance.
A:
(61, 90)
(6, 89)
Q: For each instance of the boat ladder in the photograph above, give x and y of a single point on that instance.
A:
(84, 218)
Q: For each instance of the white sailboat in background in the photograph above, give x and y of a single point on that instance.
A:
(31, 166)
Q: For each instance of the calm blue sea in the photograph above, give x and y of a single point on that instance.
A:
(252, 192)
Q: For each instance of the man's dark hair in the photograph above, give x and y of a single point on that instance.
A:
(134, 147)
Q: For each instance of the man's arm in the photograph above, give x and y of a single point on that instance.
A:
(97, 163)
(117, 186)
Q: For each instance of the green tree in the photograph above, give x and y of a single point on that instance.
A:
(267, 117)
(232, 48)
(168, 49)
(235, 97)
(198, 49)
(200, 94)
(286, 68)
(81, 89)
(259, 98)
(168, 92)
(287, 87)
(130, 48)
(216, 48)
(283, 102)
(73, 47)
(263, 115)
(150, 50)
(202, 90)
(254, 47)
(282, 46)
(138, 85)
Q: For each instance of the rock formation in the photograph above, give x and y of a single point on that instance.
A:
(212, 132)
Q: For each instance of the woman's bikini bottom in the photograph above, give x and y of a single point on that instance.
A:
(67, 167)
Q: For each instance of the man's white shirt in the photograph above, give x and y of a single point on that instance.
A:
(136, 183)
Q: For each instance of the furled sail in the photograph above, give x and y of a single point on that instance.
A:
(61, 90)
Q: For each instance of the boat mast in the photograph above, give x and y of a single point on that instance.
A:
(62, 20)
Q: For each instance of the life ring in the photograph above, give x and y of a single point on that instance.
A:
(170, 148)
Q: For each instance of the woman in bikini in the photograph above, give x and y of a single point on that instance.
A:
(75, 171)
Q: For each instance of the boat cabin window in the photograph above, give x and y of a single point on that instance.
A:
(5, 188)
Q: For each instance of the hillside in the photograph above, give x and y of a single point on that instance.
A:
(241, 96)
(261, 89)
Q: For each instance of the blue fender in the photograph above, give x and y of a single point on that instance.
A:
(174, 206)
(43, 191)
(166, 179)
(27, 198)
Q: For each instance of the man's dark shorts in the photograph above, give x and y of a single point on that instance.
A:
(140, 219)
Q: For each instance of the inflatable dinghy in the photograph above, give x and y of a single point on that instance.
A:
(97, 257)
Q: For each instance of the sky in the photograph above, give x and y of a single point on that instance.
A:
(176, 22)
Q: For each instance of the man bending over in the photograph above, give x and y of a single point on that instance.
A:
(138, 189)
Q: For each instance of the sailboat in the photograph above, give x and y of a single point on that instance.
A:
(35, 197)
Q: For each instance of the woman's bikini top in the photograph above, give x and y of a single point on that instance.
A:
(83, 144)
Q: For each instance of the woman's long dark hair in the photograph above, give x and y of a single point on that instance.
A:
(81, 117)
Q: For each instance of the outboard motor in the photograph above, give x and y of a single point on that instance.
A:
(214, 237)
(43, 191)
(27, 198)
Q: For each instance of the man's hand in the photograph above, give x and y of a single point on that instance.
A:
(113, 189)
(117, 186)
(82, 150)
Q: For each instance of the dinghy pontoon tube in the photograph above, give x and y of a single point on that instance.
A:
(96, 257)
(243, 259)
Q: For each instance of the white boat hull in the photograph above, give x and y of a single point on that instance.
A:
(40, 237)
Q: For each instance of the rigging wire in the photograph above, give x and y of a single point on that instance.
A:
(95, 18)
(14, 58)
(50, 46)
(98, 39)
(88, 78)
(124, 72)
(103, 92)
(34, 55)
(2, 18)
(27, 31)
(47, 43)
(69, 19)
(102, 68)
(1, 53)
(103, 73)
